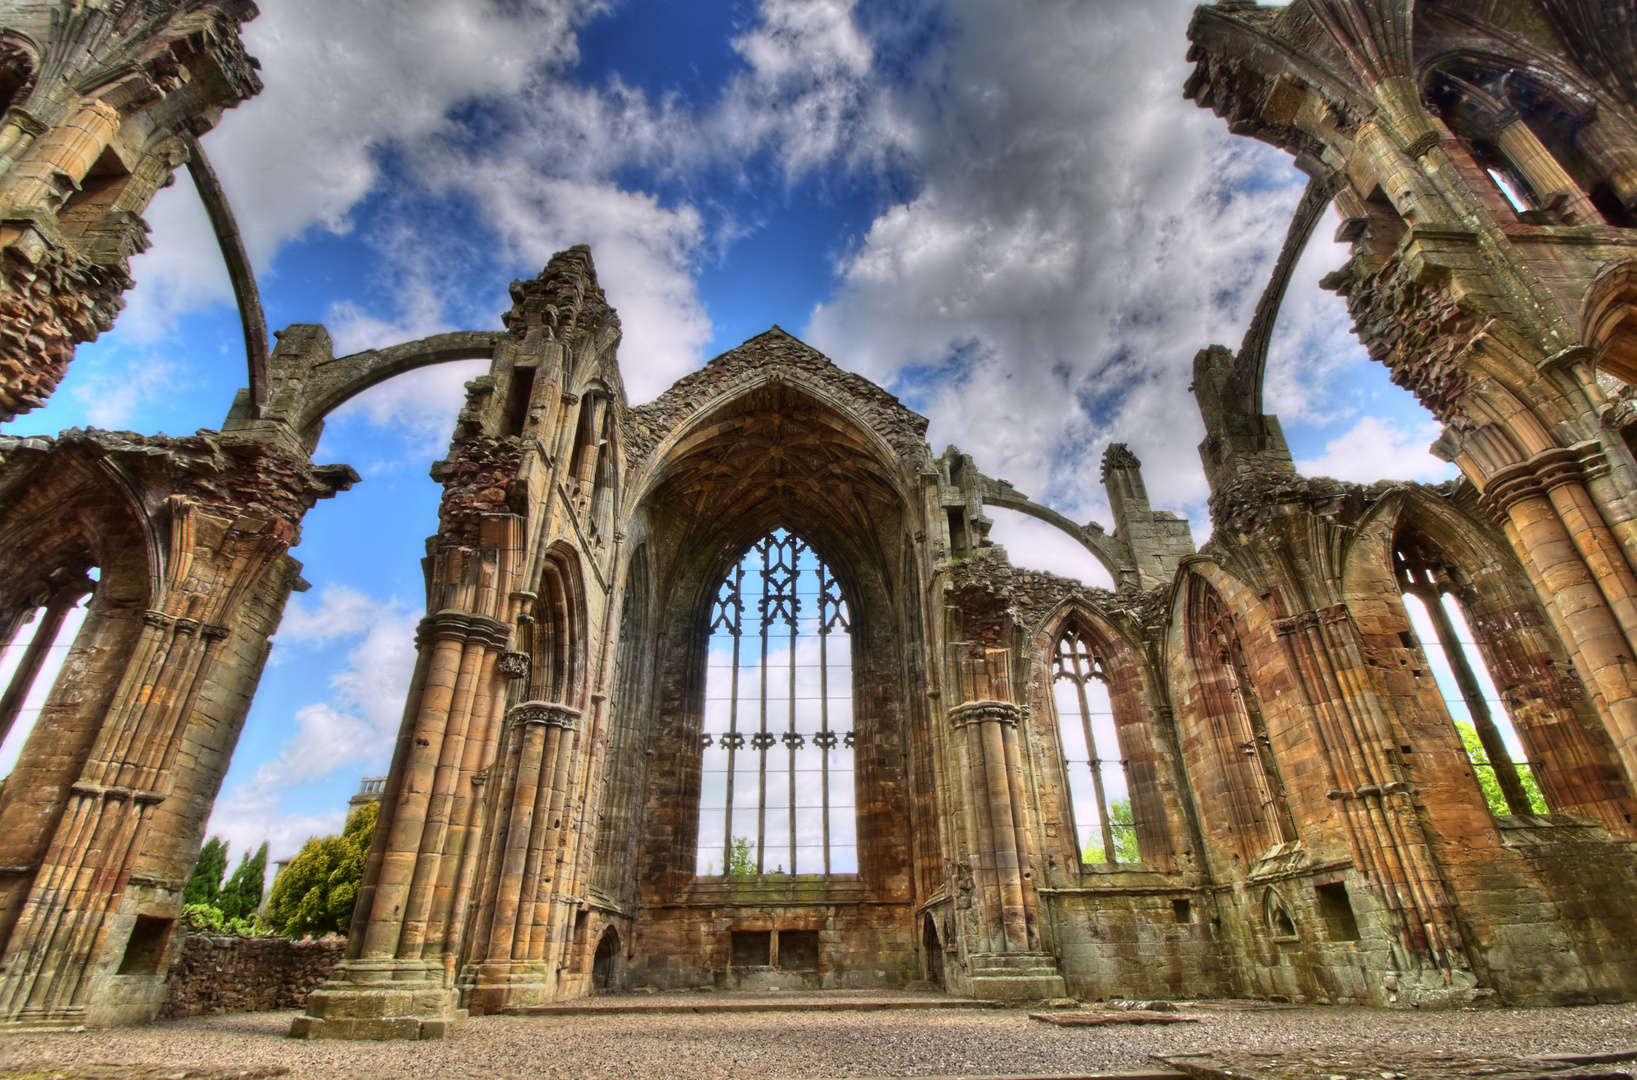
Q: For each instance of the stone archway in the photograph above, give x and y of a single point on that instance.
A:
(605, 973)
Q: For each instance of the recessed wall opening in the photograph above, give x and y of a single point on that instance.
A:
(602, 964)
(1182, 910)
(1337, 911)
(932, 952)
(1499, 760)
(146, 945)
(752, 948)
(776, 790)
(1277, 916)
(1105, 830)
(798, 950)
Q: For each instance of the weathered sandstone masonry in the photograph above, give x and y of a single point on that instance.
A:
(99, 104)
(1232, 774)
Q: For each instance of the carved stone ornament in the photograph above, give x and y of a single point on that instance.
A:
(551, 713)
(514, 665)
(974, 712)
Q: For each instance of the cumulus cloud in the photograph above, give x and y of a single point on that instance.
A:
(1079, 233)
(1378, 449)
(112, 398)
(344, 79)
(353, 730)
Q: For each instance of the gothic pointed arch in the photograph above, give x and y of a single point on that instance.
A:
(1482, 611)
(1111, 794)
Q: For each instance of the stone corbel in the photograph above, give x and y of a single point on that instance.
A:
(514, 665)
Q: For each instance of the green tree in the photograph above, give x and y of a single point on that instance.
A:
(205, 884)
(1125, 836)
(1486, 774)
(241, 896)
(742, 864)
(316, 893)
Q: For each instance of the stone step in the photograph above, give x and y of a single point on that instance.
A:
(760, 1005)
(1013, 987)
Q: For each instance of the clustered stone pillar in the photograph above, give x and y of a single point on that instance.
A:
(1333, 686)
(1009, 963)
(397, 980)
(68, 918)
(987, 734)
(1581, 572)
(518, 916)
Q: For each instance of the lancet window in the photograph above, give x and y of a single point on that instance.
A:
(776, 790)
(1432, 598)
(1100, 793)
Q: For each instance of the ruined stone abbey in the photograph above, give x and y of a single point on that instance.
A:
(731, 689)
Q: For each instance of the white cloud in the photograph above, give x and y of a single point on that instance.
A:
(346, 77)
(112, 398)
(354, 730)
(1378, 449)
(1079, 233)
(344, 80)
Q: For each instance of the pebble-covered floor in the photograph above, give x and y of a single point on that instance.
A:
(808, 1044)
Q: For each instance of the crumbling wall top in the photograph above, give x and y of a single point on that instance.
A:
(775, 354)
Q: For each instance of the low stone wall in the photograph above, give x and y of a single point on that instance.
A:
(239, 974)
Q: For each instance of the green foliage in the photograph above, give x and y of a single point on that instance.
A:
(241, 896)
(1125, 836)
(208, 919)
(1486, 775)
(742, 863)
(316, 893)
(205, 885)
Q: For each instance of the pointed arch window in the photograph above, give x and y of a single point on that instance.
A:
(1432, 597)
(1100, 793)
(776, 793)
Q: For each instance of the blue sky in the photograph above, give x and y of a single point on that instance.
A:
(1005, 213)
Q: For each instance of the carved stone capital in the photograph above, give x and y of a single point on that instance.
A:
(157, 619)
(514, 665)
(977, 712)
(550, 713)
(453, 625)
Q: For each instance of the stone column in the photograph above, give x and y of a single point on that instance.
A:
(28, 668)
(1576, 601)
(396, 982)
(519, 885)
(1009, 963)
(1613, 152)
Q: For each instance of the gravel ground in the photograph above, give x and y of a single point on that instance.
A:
(758, 1045)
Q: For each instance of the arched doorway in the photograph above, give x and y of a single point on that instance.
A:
(932, 952)
(605, 961)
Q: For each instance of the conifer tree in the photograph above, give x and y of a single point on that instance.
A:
(241, 896)
(205, 884)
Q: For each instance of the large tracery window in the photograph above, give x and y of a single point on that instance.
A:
(1104, 827)
(776, 794)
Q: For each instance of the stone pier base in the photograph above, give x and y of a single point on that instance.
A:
(381, 1000)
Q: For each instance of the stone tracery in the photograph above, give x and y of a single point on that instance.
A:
(1295, 785)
